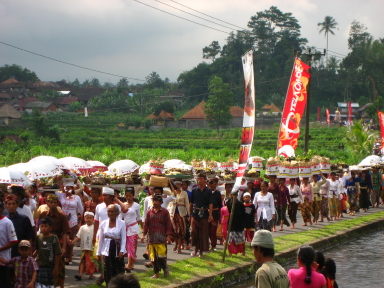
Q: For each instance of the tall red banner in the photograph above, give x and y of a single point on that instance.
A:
(248, 118)
(295, 103)
(349, 113)
(327, 115)
(381, 120)
(318, 114)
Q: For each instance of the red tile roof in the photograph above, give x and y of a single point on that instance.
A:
(8, 81)
(163, 115)
(4, 95)
(237, 112)
(197, 113)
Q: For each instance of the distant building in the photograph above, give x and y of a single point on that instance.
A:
(63, 102)
(363, 110)
(343, 109)
(4, 97)
(161, 118)
(8, 114)
(43, 107)
(270, 108)
(198, 113)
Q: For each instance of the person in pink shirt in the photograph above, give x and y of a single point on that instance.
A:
(306, 276)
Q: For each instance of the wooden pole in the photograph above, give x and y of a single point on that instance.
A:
(234, 199)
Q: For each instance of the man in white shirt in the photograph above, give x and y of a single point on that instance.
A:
(8, 238)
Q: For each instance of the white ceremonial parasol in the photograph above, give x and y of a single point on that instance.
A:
(144, 168)
(172, 163)
(97, 165)
(123, 167)
(370, 161)
(36, 170)
(74, 163)
(8, 176)
(49, 160)
(183, 167)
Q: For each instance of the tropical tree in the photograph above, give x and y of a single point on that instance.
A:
(154, 80)
(360, 140)
(217, 108)
(211, 51)
(123, 82)
(76, 83)
(327, 25)
(17, 72)
(95, 82)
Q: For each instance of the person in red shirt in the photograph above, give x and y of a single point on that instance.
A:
(159, 229)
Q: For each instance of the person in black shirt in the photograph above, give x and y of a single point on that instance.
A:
(201, 214)
(249, 217)
(216, 209)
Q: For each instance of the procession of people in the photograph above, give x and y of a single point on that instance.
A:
(108, 223)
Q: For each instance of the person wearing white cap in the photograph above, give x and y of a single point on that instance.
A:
(102, 215)
(270, 274)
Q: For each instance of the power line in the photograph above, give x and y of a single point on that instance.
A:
(194, 15)
(182, 17)
(337, 53)
(208, 15)
(63, 62)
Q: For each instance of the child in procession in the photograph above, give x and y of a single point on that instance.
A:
(85, 236)
(249, 217)
(25, 266)
(47, 245)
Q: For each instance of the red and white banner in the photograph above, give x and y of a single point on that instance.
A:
(381, 120)
(327, 115)
(248, 118)
(318, 114)
(349, 114)
(295, 103)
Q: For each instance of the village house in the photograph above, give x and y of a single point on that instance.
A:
(161, 118)
(196, 117)
(43, 107)
(63, 102)
(8, 114)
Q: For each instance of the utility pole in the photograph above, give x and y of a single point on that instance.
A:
(309, 63)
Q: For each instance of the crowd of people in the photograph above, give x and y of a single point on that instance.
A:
(40, 227)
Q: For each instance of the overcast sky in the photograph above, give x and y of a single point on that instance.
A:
(126, 38)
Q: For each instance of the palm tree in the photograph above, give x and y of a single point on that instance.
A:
(326, 27)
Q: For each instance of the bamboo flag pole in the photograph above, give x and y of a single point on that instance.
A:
(234, 199)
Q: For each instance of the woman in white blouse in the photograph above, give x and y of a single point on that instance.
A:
(112, 240)
(265, 208)
(132, 221)
(296, 197)
(72, 207)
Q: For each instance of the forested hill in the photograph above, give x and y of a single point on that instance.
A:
(274, 35)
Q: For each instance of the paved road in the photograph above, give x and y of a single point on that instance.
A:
(71, 269)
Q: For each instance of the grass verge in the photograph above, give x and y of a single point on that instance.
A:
(195, 267)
